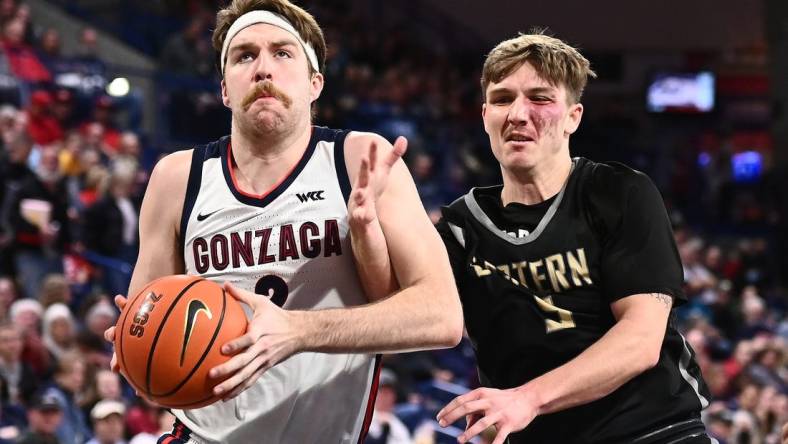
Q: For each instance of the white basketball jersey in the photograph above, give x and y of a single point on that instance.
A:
(292, 245)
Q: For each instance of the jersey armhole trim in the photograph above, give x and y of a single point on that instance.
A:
(341, 166)
(192, 190)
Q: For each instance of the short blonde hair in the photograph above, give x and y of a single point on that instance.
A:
(553, 59)
(302, 21)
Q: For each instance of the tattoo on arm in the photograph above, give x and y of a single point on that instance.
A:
(665, 299)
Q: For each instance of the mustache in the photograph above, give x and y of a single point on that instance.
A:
(266, 87)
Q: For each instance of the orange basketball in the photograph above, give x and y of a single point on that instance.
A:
(169, 337)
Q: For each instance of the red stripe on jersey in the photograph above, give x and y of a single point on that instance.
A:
(231, 161)
(373, 393)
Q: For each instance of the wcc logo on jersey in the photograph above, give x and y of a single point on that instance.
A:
(311, 196)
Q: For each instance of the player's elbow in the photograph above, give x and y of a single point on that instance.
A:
(451, 325)
(452, 332)
(648, 355)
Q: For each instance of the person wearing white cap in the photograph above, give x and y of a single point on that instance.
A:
(270, 209)
(107, 416)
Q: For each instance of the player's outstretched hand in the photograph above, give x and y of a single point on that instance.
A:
(109, 334)
(508, 410)
(371, 181)
(269, 339)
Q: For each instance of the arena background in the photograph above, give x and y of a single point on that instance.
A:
(93, 92)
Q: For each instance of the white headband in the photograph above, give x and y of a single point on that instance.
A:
(259, 16)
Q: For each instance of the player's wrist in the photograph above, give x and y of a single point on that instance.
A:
(304, 332)
(534, 399)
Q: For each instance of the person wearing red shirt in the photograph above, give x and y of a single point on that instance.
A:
(42, 126)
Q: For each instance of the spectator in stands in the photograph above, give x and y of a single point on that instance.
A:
(385, 427)
(104, 115)
(111, 227)
(21, 57)
(49, 52)
(63, 109)
(54, 290)
(7, 297)
(144, 418)
(7, 10)
(107, 418)
(189, 52)
(26, 314)
(59, 331)
(88, 70)
(69, 380)
(37, 214)
(12, 417)
(163, 422)
(19, 377)
(45, 416)
(42, 126)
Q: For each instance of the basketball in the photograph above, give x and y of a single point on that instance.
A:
(169, 337)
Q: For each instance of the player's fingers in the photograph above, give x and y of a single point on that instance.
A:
(480, 426)
(113, 363)
(109, 334)
(399, 149)
(247, 382)
(363, 174)
(238, 344)
(503, 433)
(234, 384)
(456, 402)
(471, 420)
(242, 295)
(373, 156)
(478, 406)
(231, 367)
(120, 301)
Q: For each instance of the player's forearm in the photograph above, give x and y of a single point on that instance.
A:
(422, 316)
(620, 355)
(372, 260)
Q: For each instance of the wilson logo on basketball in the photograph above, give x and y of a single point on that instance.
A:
(141, 317)
(194, 309)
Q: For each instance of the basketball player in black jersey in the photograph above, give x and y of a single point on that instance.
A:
(567, 274)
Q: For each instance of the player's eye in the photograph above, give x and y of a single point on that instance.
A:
(244, 57)
(501, 100)
(283, 53)
(540, 99)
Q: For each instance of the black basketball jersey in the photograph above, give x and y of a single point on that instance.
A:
(537, 295)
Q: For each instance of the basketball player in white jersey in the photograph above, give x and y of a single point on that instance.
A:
(270, 211)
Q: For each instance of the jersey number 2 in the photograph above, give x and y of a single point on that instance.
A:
(273, 287)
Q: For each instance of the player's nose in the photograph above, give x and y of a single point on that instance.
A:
(262, 69)
(518, 112)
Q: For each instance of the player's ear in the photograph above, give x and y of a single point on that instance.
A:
(316, 82)
(484, 114)
(573, 120)
(225, 97)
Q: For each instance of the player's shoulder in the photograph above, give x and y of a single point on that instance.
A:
(172, 168)
(613, 177)
(612, 189)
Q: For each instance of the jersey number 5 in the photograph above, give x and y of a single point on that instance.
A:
(273, 287)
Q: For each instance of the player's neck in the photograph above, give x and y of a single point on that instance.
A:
(261, 160)
(537, 184)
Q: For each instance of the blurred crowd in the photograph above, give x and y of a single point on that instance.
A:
(72, 173)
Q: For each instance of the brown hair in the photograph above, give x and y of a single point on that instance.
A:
(553, 59)
(302, 21)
